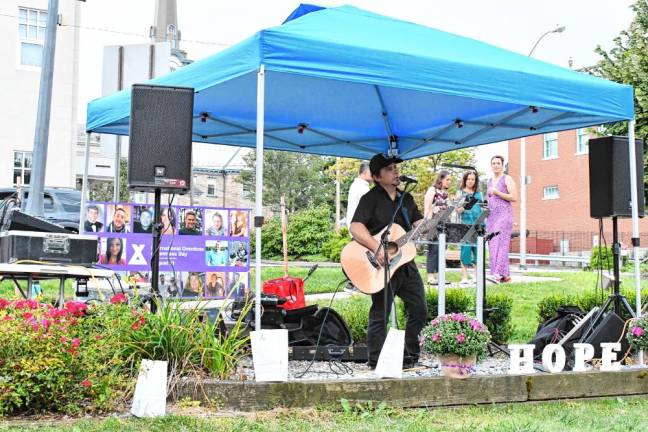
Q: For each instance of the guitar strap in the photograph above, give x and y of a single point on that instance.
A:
(408, 225)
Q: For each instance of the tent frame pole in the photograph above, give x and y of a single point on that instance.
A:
(523, 204)
(84, 182)
(635, 219)
(258, 219)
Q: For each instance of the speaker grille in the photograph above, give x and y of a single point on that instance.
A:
(159, 151)
(609, 175)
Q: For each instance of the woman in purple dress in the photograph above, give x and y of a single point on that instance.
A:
(501, 194)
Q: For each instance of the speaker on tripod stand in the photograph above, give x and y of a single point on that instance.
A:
(159, 151)
(610, 197)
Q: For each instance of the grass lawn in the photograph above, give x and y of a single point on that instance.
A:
(325, 279)
(620, 414)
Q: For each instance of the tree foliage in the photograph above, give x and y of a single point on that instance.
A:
(302, 178)
(103, 191)
(627, 63)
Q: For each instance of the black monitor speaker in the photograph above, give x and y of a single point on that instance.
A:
(609, 177)
(159, 150)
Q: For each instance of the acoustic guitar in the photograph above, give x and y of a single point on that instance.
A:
(361, 266)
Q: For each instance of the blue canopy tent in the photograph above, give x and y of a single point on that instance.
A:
(347, 82)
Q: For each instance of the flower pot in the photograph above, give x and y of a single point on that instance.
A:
(453, 366)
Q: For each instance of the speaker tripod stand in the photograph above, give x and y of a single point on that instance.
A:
(155, 256)
(618, 301)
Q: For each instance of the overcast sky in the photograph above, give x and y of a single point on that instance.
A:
(208, 26)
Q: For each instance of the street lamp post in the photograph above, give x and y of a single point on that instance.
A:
(523, 176)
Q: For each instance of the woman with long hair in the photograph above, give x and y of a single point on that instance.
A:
(469, 188)
(239, 224)
(502, 192)
(114, 252)
(167, 217)
(436, 200)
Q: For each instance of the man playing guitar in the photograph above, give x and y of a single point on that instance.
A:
(373, 215)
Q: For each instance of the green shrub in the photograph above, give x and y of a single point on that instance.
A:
(308, 230)
(498, 320)
(548, 306)
(355, 312)
(456, 301)
(271, 244)
(601, 258)
(333, 247)
(68, 360)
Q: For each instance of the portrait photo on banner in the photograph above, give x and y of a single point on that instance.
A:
(239, 223)
(112, 251)
(216, 253)
(239, 252)
(170, 284)
(193, 284)
(94, 218)
(168, 221)
(143, 218)
(216, 222)
(216, 284)
(191, 221)
(118, 218)
(238, 285)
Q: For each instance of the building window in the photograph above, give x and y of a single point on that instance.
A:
(211, 190)
(551, 192)
(22, 167)
(31, 34)
(582, 140)
(551, 145)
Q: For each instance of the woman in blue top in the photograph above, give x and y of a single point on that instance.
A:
(469, 186)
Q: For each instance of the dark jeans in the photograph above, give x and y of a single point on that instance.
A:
(432, 263)
(406, 284)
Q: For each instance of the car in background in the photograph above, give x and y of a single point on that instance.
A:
(60, 205)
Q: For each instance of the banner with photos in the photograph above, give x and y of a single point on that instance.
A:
(204, 251)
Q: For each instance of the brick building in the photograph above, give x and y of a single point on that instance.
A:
(558, 194)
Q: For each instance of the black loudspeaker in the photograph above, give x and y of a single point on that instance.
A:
(159, 150)
(609, 175)
(609, 329)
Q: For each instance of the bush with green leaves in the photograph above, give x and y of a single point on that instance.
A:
(456, 334)
(333, 247)
(456, 301)
(66, 360)
(601, 258)
(498, 319)
(548, 306)
(308, 230)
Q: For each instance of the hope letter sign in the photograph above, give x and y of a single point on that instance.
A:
(553, 357)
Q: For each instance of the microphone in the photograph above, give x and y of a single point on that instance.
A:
(406, 179)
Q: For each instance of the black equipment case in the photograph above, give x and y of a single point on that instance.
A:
(47, 247)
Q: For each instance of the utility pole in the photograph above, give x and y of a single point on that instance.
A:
(41, 136)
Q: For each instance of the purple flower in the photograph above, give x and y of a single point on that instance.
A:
(476, 325)
(461, 337)
(637, 331)
(436, 337)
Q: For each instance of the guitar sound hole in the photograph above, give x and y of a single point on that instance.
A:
(392, 248)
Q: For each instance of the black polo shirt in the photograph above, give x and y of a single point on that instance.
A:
(376, 208)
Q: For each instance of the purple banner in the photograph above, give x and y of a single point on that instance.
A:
(204, 251)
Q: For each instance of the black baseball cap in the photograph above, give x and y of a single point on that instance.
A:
(380, 161)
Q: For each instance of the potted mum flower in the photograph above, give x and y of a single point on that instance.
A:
(458, 340)
(638, 333)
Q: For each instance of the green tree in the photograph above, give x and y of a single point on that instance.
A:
(425, 170)
(302, 178)
(627, 63)
(103, 191)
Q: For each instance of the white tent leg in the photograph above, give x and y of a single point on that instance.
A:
(635, 219)
(84, 185)
(523, 204)
(259, 191)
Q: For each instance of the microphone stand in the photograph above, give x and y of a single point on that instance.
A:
(384, 245)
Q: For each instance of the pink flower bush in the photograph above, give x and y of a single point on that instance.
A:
(638, 334)
(119, 299)
(456, 334)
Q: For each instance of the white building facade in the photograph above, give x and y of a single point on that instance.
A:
(22, 35)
